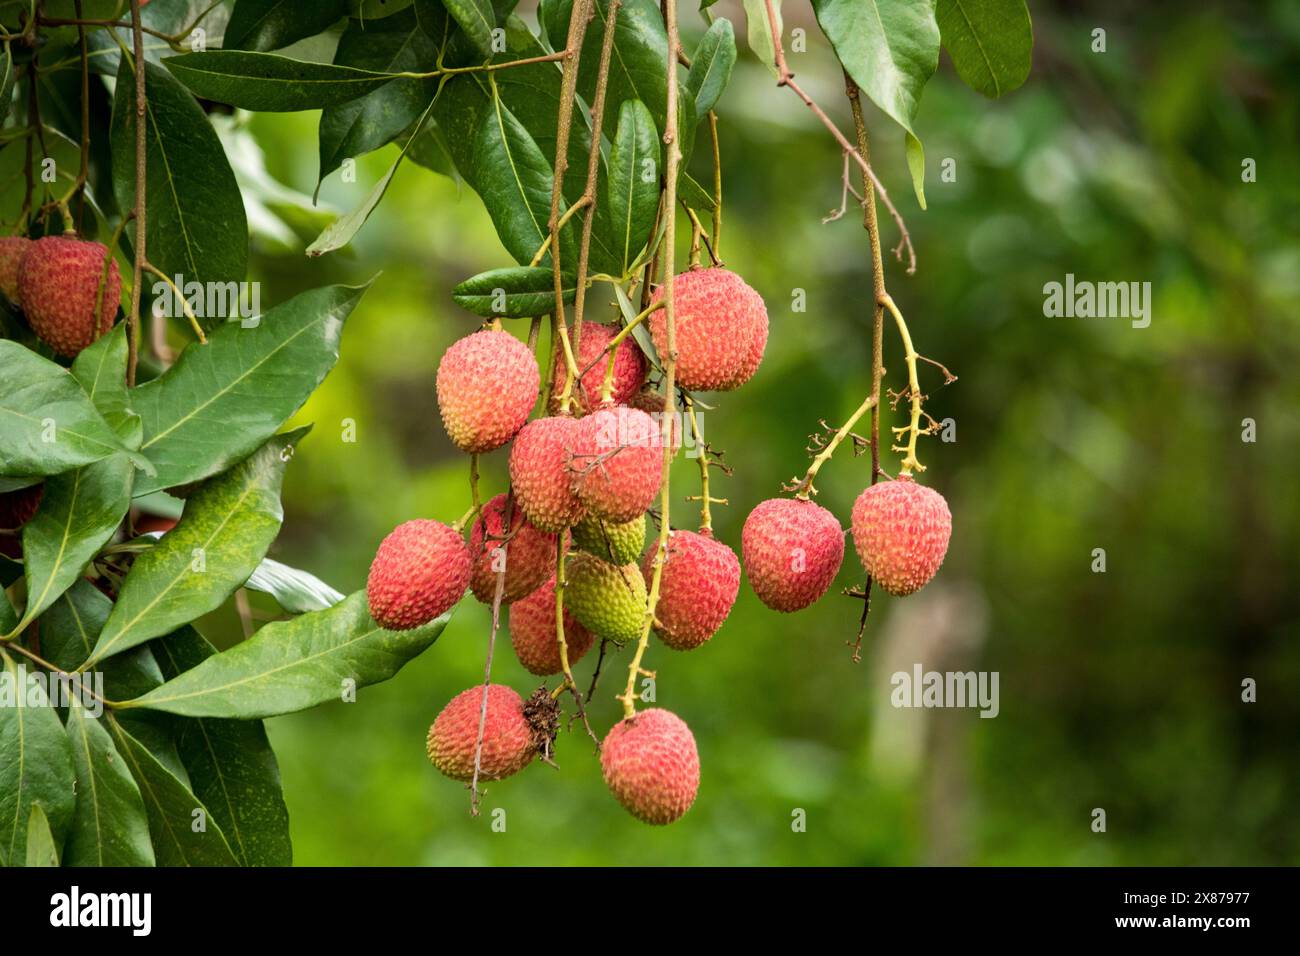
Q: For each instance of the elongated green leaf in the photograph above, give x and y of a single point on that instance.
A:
(758, 31)
(477, 19)
(35, 760)
(48, 424)
(232, 767)
(270, 83)
(224, 399)
(393, 44)
(197, 228)
(41, 849)
(295, 590)
(6, 82)
(693, 194)
(632, 193)
(110, 827)
(711, 67)
(227, 527)
(173, 17)
(991, 42)
(515, 292)
(890, 48)
(293, 665)
(81, 509)
(261, 25)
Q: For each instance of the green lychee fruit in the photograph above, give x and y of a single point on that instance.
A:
(533, 635)
(59, 285)
(901, 531)
(617, 462)
(606, 599)
(12, 250)
(487, 386)
(651, 765)
(507, 736)
(697, 588)
(617, 543)
(420, 571)
(527, 557)
(539, 473)
(792, 551)
(720, 326)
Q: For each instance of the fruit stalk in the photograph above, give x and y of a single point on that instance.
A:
(141, 109)
(805, 486)
(912, 430)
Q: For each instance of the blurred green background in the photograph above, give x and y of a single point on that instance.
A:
(1119, 690)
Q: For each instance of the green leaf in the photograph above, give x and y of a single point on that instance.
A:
(270, 83)
(232, 767)
(632, 190)
(515, 292)
(711, 67)
(81, 509)
(35, 759)
(48, 425)
(6, 82)
(890, 48)
(172, 17)
(393, 44)
(194, 211)
(693, 194)
(477, 19)
(110, 827)
(758, 30)
(183, 830)
(991, 42)
(224, 399)
(225, 531)
(292, 665)
(41, 850)
(261, 25)
(428, 147)
(295, 590)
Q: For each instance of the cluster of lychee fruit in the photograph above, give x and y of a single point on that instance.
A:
(584, 474)
(68, 288)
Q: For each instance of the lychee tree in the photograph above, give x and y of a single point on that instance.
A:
(140, 483)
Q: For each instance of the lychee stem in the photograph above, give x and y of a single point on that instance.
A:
(706, 513)
(607, 386)
(180, 297)
(913, 430)
(804, 488)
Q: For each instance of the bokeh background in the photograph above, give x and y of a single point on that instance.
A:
(1119, 690)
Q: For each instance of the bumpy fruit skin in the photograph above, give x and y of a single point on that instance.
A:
(58, 285)
(532, 633)
(720, 325)
(529, 554)
(617, 463)
(507, 737)
(18, 507)
(792, 551)
(697, 587)
(420, 570)
(12, 250)
(629, 368)
(616, 543)
(539, 473)
(651, 765)
(901, 531)
(607, 600)
(487, 386)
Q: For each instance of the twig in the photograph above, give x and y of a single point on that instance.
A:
(141, 108)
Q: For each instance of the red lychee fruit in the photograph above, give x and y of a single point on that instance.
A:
(651, 765)
(539, 473)
(901, 531)
(420, 570)
(18, 507)
(617, 462)
(697, 587)
(12, 250)
(720, 325)
(507, 735)
(629, 368)
(528, 557)
(487, 386)
(792, 551)
(532, 633)
(59, 286)
(652, 403)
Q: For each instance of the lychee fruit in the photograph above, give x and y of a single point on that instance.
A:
(606, 599)
(18, 507)
(792, 551)
(652, 403)
(12, 250)
(616, 543)
(901, 531)
(420, 570)
(629, 368)
(720, 326)
(507, 736)
(539, 473)
(527, 558)
(487, 386)
(59, 286)
(617, 462)
(532, 633)
(651, 765)
(697, 587)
